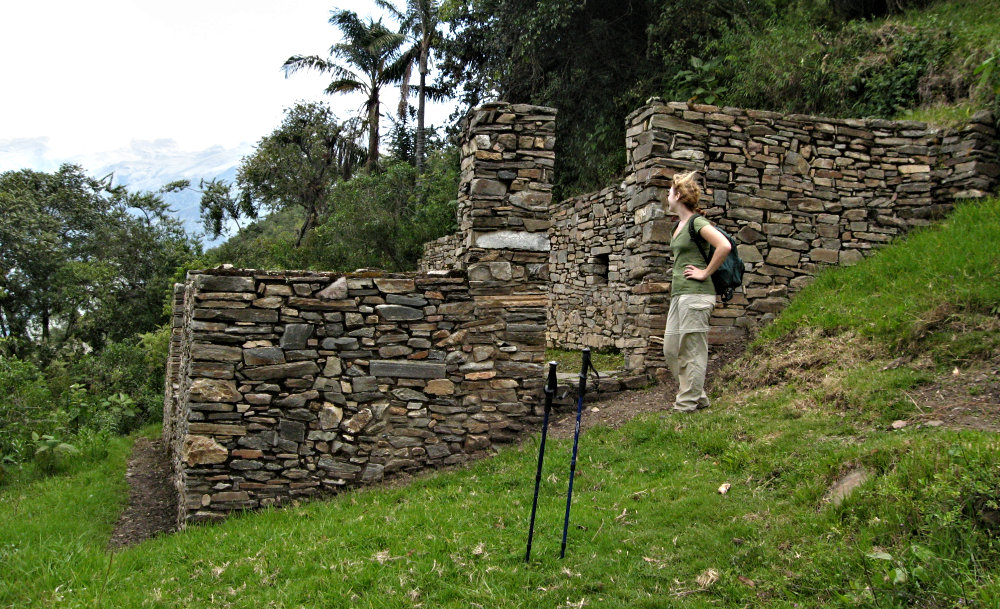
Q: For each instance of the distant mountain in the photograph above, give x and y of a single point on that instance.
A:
(149, 165)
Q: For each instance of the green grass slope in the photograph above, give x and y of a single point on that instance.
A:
(649, 527)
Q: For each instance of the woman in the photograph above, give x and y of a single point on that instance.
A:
(692, 294)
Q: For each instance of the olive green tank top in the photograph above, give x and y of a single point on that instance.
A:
(686, 253)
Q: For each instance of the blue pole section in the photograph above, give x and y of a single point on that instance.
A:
(550, 390)
(576, 440)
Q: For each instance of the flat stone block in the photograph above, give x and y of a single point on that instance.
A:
(263, 356)
(296, 336)
(216, 429)
(398, 313)
(213, 390)
(515, 240)
(297, 369)
(220, 283)
(412, 370)
(395, 286)
(216, 353)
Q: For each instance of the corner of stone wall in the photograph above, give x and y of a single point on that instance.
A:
(293, 384)
(658, 145)
(504, 214)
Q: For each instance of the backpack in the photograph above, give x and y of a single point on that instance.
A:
(727, 277)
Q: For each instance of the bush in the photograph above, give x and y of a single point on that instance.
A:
(124, 384)
(26, 407)
(51, 453)
(791, 65)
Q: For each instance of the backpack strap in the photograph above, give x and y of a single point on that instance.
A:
(696, 238)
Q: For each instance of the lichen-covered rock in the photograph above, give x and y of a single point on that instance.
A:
(213, 390)
(202, 450)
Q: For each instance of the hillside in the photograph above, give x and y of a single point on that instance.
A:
(808, 412)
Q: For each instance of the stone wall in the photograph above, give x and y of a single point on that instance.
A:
(443, 253)
(589, 286)
(799, 193)
(286, 384)
(292, 384)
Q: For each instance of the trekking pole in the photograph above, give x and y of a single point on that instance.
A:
(550, 390)
(576, 438)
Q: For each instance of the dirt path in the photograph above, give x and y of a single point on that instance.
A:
(152, 501)
(618, 409)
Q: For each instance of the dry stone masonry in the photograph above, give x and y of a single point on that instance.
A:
(291, 384)
(799, 193)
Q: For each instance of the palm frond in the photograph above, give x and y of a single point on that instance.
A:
(344, 85)
(437, 93)
(349, 23)
(395, 71)
(393, 11)
(305, 62)
(342, 73)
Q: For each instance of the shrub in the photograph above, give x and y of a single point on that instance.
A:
(26, 407)
(51, 453)
(124, 383)
(856, 70)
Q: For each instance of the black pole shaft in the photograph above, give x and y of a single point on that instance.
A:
(576, 441)
(550, 390)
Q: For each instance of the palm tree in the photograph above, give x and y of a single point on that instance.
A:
(374, 52)
(421, 19)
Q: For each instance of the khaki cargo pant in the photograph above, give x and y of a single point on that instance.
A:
(685, 347)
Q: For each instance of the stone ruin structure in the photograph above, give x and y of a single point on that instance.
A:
(292, 384)
(799, 193)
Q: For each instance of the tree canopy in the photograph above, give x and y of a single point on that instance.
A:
(296, 165)
(372, 54)
(82, 261)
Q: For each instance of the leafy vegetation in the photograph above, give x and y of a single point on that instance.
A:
(297, 165)
(373, 57)
(391, 214)
(84, 269)
(81, 262)
(828, 57)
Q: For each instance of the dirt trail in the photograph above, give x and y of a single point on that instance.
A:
(152, 501)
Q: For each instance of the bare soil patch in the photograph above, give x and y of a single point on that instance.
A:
(616, 410)
(152, 500)
(966, 398)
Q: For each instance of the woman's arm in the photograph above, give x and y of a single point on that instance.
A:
(722, 249)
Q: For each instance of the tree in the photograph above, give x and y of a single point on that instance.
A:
(297, 165)
(391, 215)
(374, 52)
(421, 21)
(594, 60)
(81, 260)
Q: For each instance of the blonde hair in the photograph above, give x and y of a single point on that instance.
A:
(687, 189)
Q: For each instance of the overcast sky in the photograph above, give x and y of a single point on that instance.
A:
(84, 79)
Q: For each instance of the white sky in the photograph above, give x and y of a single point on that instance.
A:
(82, 77)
